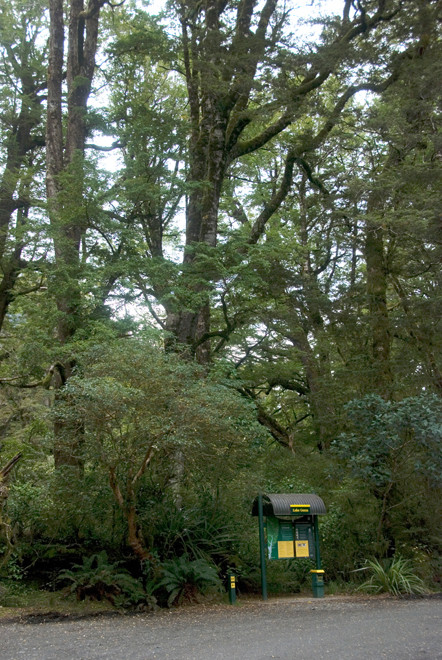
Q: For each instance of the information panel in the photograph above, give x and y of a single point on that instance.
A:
(302, 549)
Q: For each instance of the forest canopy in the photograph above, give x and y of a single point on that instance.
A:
(220, 274)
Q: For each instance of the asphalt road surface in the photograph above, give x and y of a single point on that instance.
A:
(289, 629)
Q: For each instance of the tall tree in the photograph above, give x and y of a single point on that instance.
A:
(228, 51)
(64, 175)
(405, 124)
(23, 84)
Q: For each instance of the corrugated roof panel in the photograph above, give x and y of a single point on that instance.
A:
(284, 504)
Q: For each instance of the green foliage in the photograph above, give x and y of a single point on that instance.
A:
(13, 568)
(13, 593)
(97, 579)
(131, 393)
(348, 531)
(185, 579)
(395, 576)
(205, 530)
(135, 397)
(393, 448)
(387, 435)
(289, 312)
(286, 576)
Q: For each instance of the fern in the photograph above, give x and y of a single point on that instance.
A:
(184, 579)
(98, 579)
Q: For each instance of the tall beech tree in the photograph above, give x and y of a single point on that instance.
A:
(228, 50)
(23, 77)
(409, 166)
(64, 174)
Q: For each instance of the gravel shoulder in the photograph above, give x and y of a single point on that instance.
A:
(338, 627)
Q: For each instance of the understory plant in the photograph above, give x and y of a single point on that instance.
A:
(98, 579)
(395, 576)
(183, 579)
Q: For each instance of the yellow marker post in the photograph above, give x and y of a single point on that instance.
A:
(232, 588)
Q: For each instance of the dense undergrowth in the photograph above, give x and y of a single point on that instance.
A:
(193, 548)
(113, 532)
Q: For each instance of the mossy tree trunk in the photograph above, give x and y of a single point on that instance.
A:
(64, 183)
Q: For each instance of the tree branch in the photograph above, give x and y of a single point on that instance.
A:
(6, 469)
(146, 460)
(44, 382)
(308, 171)
(115, 145)
(116, 488)
(276, 200)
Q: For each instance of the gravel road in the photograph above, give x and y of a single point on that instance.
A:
(287, 629)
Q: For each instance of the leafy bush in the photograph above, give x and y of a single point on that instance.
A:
(348, 531)
(392, 447)
(184, 580)
(98, 579)
(201, 530)
(395, 576)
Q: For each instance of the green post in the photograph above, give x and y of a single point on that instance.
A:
(317, 552)
(318, 574)
(262, 549)
(232, 587)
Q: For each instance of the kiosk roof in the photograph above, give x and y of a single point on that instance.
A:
(284, 504)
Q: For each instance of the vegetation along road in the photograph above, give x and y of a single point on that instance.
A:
(219, 276)
(287, 629)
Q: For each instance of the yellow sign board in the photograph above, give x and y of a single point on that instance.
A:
(299, 509)
(285, 549)
(302, 549)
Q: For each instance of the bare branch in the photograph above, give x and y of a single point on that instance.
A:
(146, 460)
(9, 465)
(115, 145)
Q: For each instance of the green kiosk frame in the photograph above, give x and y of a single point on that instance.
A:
(288, 529)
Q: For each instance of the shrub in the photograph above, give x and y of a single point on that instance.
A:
(98, 579)
(395, 576)
(184, 580)
(201, 530)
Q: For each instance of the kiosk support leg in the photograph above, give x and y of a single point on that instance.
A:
(318, 573)
(317, 552)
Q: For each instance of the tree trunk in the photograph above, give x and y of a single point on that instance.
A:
(67, 157)
(4, 492)
(317, 367)
(128, 507)
(381, 375)
(19, 144)
(218, 83)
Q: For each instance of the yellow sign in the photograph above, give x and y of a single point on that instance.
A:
(285, 549)
(299, 509)
(302, 549)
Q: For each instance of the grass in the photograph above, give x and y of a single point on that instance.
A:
(18, 598)
(340, 588)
